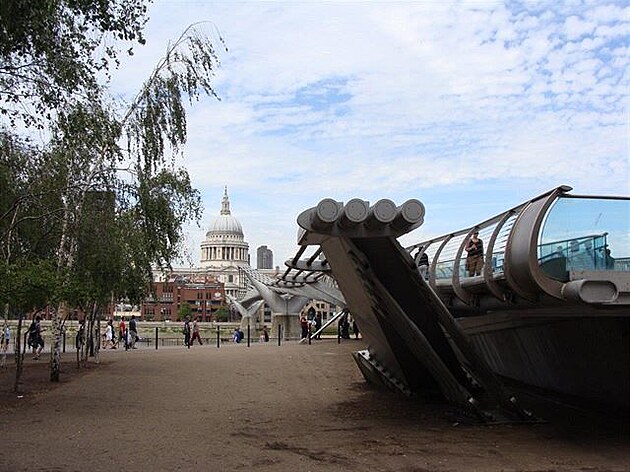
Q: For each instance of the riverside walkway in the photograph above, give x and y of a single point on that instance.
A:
(293, 408)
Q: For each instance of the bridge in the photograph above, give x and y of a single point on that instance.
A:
(546, 305)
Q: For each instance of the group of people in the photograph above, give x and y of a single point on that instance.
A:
(310, 322)
(127, 335)
(35, 339)
(344, 327)
(191, 332)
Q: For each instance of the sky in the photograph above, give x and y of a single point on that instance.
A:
(471, 107)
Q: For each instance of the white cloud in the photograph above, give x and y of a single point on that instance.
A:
(399, 100)
(575, 27)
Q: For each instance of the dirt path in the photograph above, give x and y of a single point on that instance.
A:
(290, 408)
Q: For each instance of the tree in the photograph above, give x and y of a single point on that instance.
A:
(221, 314)
(146, 198)
(184, 311)
(158, 197)
(28, 276)
(48, 51)
(29, 286)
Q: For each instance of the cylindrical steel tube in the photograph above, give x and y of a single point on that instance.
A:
(381, 214)
(354, 212)
(325, 214)
(408, 214)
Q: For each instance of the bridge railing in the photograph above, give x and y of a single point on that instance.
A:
(570, 215)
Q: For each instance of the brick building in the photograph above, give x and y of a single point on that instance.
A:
(203, 293)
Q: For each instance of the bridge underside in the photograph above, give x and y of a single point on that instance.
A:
(413, 343)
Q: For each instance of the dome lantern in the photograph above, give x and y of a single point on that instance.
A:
(225, 203)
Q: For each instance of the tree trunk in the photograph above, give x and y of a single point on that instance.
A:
(19, 356)
(55, 350)
(2, 337)
(97, 333)
(73, 205)
(90, 330)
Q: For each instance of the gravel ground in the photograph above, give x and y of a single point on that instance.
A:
(273, 408)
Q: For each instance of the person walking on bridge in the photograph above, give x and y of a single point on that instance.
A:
(423, 263)
(474, 260)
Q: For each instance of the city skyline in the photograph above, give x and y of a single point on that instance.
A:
(470, 107)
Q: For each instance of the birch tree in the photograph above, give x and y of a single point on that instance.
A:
(49, 51)
(156, 195)
(28, 279)
(49, 74)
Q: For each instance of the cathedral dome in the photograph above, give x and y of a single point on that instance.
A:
(225, 225)
(225, 250)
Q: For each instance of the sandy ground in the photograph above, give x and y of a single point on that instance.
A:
(288, 408)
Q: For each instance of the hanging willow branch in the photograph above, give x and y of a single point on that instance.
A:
(157, 116)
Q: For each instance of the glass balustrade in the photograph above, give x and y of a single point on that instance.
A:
(578, 234)
(585, 234)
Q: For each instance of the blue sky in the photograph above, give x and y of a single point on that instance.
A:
(471, 107)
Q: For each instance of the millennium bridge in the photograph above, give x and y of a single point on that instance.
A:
(545, 304)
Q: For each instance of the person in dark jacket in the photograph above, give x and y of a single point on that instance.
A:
(474, 260)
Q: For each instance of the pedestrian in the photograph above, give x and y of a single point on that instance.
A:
(195, 332)
(318, 325)
(423, 263)
(344, 325)
(609, 261)
(6, 334)
(109, 335)
(355, 329)
(35, 339)
(6, 338)
(122, 327)
(474, 260)
(238, 335)
(304, 324)
(133, 332)
(187, 332)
